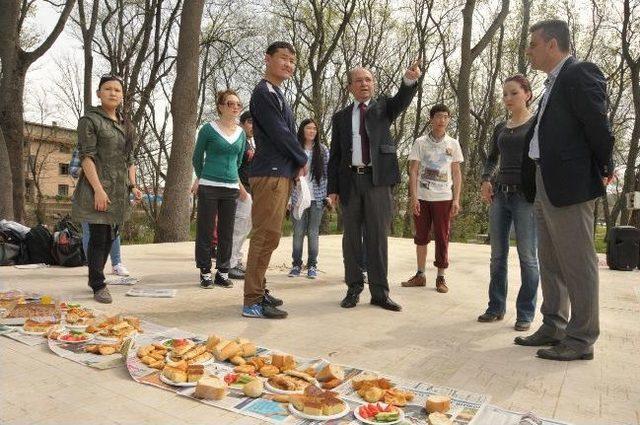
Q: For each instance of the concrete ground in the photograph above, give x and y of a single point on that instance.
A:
(434, 339)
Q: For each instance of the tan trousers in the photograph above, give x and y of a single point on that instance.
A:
(270, 195)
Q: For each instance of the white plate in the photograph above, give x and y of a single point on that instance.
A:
(207, 362)
(106, 338)
(271, 388)
(176, 384)
(90, 338)
(356, 413)
(76, 328)
(298, 413)
(22, 331)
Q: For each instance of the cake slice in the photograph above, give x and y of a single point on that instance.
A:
(210, 388)
(332, 406)
(312, 407)
(195, 372)
(174, 374)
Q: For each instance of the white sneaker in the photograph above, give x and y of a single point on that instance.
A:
(120, 270)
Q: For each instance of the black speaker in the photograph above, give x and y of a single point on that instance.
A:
(623, 248)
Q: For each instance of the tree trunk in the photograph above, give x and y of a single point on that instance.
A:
(524, 36)
(173, 223)
(6, 195)
(12, 124)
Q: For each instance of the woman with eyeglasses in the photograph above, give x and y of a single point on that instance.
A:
(216, 159)
(101, 198)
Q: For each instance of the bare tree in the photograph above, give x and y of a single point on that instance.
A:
(15, 64)
(6, 196)
(88, 30)
(173, 224)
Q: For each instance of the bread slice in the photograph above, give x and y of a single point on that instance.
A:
(438, 403)
(175, 375)
(212, 341)
(332, 406)
(183, 348)
(210, 388)
(330, 372)
(226, 349)
(312, 407)
(300, 375)
(248, 349)
(358, 381)
(194, 352)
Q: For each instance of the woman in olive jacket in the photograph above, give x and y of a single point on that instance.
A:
(101, 198)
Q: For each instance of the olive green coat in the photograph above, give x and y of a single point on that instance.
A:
(103, 140)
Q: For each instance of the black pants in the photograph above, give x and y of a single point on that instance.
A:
(101, 236)
(368, 211)
(211, 201)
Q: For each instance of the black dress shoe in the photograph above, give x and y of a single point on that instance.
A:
(536, 339)
(350, 301)
(563, 352)
(387, 304)
(269, 299)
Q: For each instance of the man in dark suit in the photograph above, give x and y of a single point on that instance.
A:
(566, 166)
(363, 166)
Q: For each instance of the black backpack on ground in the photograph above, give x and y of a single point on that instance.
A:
(623, 248)
(10, 247)
(39, 243)
(67, 245)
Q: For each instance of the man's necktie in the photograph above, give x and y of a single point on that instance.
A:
(364, 138)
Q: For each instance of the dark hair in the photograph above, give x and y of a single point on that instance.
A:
(438, 108)
(110, 77)
(273, 47)
(554, 28)
(524, 83)
(317, 162)
(222, 96)
(246, 115)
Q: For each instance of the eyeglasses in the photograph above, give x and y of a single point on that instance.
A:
(232, 104)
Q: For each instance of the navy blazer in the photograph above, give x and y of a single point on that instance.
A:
(575, 139)
(379, 115)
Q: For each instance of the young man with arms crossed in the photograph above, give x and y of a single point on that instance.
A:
(279, 159)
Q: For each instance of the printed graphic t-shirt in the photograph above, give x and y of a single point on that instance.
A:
(434, 174)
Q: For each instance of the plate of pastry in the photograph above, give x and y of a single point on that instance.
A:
(318, 405)
(182, 375)
(290, 382)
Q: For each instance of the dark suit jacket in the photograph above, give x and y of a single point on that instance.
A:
(574, 137)
(384, 160)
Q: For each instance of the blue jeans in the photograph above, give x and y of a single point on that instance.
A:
(508, 208)
(309, 226)
(116, 257)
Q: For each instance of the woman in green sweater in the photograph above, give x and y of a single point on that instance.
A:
(216, 159)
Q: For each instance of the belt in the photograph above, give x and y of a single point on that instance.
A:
(365, 169)
(508, 188)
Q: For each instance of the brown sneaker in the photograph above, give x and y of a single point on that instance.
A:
(441, 285)
(103, 296)
(417, 280)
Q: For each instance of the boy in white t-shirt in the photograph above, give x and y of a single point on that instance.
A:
(435, 183)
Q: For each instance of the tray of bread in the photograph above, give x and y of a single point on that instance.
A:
(181, 374)
(17, 314)
(153, 355)
(317, 404)
(373, 389)
(189, 351)
(103, 349)
(290, 382)
(39, 326)
(78, 315)
(116, 328)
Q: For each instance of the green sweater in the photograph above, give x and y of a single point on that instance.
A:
(214, 158)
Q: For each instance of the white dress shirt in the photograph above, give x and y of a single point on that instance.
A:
(534, 147)
(356, 153)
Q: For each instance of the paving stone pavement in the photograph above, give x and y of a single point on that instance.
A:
(434, 339)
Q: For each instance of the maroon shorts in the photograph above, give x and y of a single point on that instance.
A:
(434, 216)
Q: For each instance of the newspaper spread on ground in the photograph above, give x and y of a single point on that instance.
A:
(122, 280)
(16, 333)
(152, 292)
(495, 415)
(464, 406)
(31, 266)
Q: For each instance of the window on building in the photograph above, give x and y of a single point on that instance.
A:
(29, 189)
(64, 169)
(65, 149)
(31, 164)
(63, 189)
